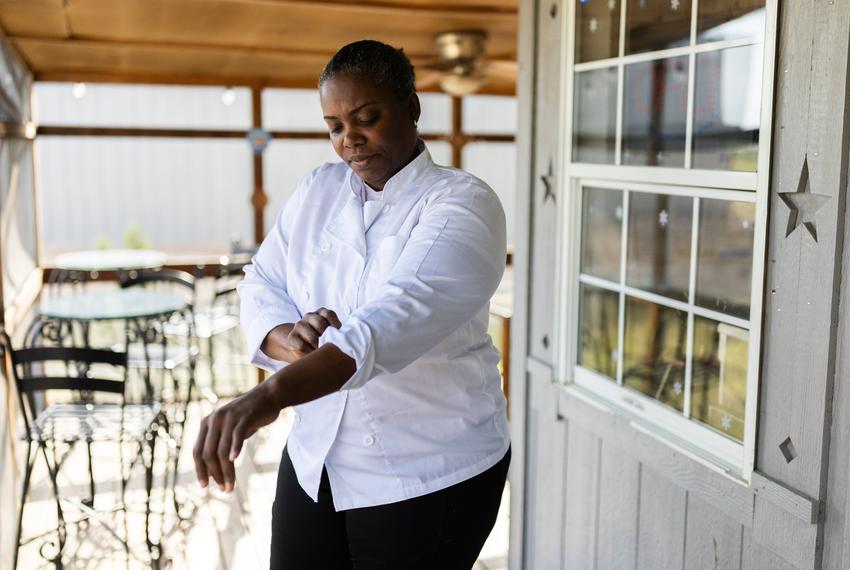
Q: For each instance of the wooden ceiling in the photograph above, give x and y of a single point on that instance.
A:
(281, 43)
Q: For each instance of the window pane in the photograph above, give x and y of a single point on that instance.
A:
(719, 385)
(495, 164)
(655, 100)
(725, 258)
(292, 110)
(436, 116)
(654, 351)
(285, 163)
(598, 317)
(179, 195)
(144, 106)
(595, 116)
(597, 29)
(729, 19)
(727, 94)
(441, 152)
(653, 25)
(659, 247)
(602, 219)
(485, 114)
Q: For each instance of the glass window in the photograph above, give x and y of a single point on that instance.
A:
(142, 106)
(104, 192)
(655, 112)
(292, 110)
(485, 114)
(654, 351)
(719, 386)
(285, 163)
(667, 259)
(597, 29)
(594, 116)
(495, 164)
(659, 245)
(598, 317)
(602, 220)
(725, 258)
(653, 25)
(729, 20)
(727, 108)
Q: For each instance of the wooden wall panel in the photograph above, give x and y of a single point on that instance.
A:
(661, 536)
(619, 503)
(801, 301)
(712, 540)
(581, 516)
(544, 218)
(546, 449)
(756, 557)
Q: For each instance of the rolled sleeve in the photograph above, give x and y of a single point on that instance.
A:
(447, 272)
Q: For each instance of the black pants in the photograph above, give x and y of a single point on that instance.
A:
(444, 530)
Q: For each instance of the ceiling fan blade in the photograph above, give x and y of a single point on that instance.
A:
(503, 69)
(427, 79)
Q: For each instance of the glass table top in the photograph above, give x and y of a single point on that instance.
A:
(108, 305)
(110, 259)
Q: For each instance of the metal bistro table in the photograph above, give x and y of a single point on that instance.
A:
(76, 264)
(57, 315)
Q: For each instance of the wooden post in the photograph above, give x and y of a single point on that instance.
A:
(258, 198)
(457, 138)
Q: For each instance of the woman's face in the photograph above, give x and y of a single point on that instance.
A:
(370, 129)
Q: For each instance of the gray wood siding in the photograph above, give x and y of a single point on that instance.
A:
(630, 499)
(544, 211)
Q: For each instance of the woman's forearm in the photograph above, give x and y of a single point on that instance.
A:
(317, 374)
(274, 345)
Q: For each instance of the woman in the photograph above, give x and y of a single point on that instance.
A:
(369, 299)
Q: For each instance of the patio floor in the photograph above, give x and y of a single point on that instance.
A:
(226, 531)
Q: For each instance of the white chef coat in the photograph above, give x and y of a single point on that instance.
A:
(411, 284)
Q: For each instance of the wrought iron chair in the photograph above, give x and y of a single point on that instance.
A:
(82, 417)
(168, 364)
(209, 322)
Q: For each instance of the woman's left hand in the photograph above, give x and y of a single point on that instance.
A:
(222, 433)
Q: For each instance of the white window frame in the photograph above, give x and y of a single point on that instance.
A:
(647, 414)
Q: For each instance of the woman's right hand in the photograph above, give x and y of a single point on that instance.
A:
(288, 342)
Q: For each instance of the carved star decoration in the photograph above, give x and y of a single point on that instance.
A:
(803, 205)
(548, 183)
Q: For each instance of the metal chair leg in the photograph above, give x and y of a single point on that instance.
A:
(27, 473)
(53, 471)
(152, 547)
(211, 356)
(91, 475)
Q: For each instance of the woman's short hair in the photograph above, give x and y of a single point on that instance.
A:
(383, 64)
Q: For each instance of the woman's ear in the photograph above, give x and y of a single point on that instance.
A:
(414, 107)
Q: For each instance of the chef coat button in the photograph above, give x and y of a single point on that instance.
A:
(325, 246)
(386, 208)
(368, 440)
(307, 295)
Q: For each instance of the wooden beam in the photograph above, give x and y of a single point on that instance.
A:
(259, 198)
(483, 8)
(99, 76)
(456, 138)
(61, 130)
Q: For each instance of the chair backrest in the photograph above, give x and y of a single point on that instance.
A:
(31, 375)
(166, 275)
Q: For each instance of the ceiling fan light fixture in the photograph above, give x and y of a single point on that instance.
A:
(460, 85)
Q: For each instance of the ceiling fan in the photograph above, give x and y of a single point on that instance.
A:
(461, 67)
